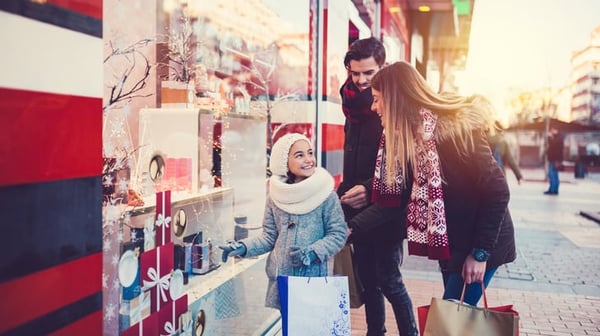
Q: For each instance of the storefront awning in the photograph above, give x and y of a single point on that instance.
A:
(561, 126)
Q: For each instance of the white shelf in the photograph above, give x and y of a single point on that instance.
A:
(200, 285)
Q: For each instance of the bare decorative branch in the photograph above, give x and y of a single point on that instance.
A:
(180, 57)
(121, 90)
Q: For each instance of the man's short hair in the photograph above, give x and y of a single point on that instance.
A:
(365, 48)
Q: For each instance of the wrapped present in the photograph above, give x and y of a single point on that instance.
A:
(147, 327)
(131, 292)
(134, 310)
(184, 174)
(149, 234)
(124, 315)
(168, 316)
(186, 324)
(163, 218)
(188, 258)
(157, 266)
(139, 307)
(201, 258)
(180, 262)
(129, 271)
(170, 175)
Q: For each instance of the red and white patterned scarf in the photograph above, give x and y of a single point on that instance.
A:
(426, 217)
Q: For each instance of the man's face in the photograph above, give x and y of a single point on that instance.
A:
(362, 71)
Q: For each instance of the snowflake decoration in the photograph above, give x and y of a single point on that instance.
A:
(110, 312)
(108, 180)
(123, 185)
(114, 260)
(112, 212)
(116, 284)
(109, 148)
(117, 128)
(106, 245)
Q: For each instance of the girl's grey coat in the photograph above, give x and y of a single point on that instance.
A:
(322, 230)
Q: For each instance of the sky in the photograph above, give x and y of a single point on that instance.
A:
(518, 45)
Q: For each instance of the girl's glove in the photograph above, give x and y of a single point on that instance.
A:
(302, 256)
(232, 248)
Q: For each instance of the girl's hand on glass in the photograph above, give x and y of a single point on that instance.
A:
(232, 248)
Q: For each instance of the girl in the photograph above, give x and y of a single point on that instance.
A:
(303, 225)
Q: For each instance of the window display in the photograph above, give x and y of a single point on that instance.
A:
(187, 127)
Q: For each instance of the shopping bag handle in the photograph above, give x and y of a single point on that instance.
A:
(462, 295)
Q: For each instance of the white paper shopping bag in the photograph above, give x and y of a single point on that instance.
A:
(314, 306)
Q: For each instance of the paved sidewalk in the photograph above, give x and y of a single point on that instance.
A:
(555, 282)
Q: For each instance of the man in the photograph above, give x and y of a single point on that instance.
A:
(377, 233)
(554, 154)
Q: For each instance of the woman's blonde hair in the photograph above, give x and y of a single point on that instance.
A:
(403, 93)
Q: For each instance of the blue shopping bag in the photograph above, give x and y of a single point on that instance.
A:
(314, 306)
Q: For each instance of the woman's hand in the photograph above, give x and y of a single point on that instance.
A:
(473, 270)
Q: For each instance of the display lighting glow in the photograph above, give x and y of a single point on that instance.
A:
(394, 9)
(424, 8)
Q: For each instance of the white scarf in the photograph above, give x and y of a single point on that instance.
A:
(302, 197)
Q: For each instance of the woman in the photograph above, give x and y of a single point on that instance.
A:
(434, 147)
(303, 226)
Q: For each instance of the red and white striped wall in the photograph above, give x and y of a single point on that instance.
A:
(51, 77)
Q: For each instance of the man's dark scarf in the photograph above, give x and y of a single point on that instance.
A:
(356, 104)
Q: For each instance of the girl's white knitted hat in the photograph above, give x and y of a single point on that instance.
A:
(281, 149)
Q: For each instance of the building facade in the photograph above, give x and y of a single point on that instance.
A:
(585, 105)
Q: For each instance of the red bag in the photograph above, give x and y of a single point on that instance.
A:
(422, 311)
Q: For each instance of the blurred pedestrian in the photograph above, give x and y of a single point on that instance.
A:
(496, 138)
(501, 151)
(554, 155)
(376, 233)
(434, 149)
(303, 226)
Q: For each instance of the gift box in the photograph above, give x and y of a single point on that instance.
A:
(149, 234)
(180, 133)
(129, 271)
(134, 310)
(188, 258)
(168, 316)
(186, 324)
(139, 307)
(183, 174)
(131, 292)
(170, 175)
(180, 261)
(163, 218)
(138, 237)
(201, 258)
(147, 327)
(156, 266)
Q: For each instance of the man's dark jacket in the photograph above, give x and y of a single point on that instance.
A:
(374, 224)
